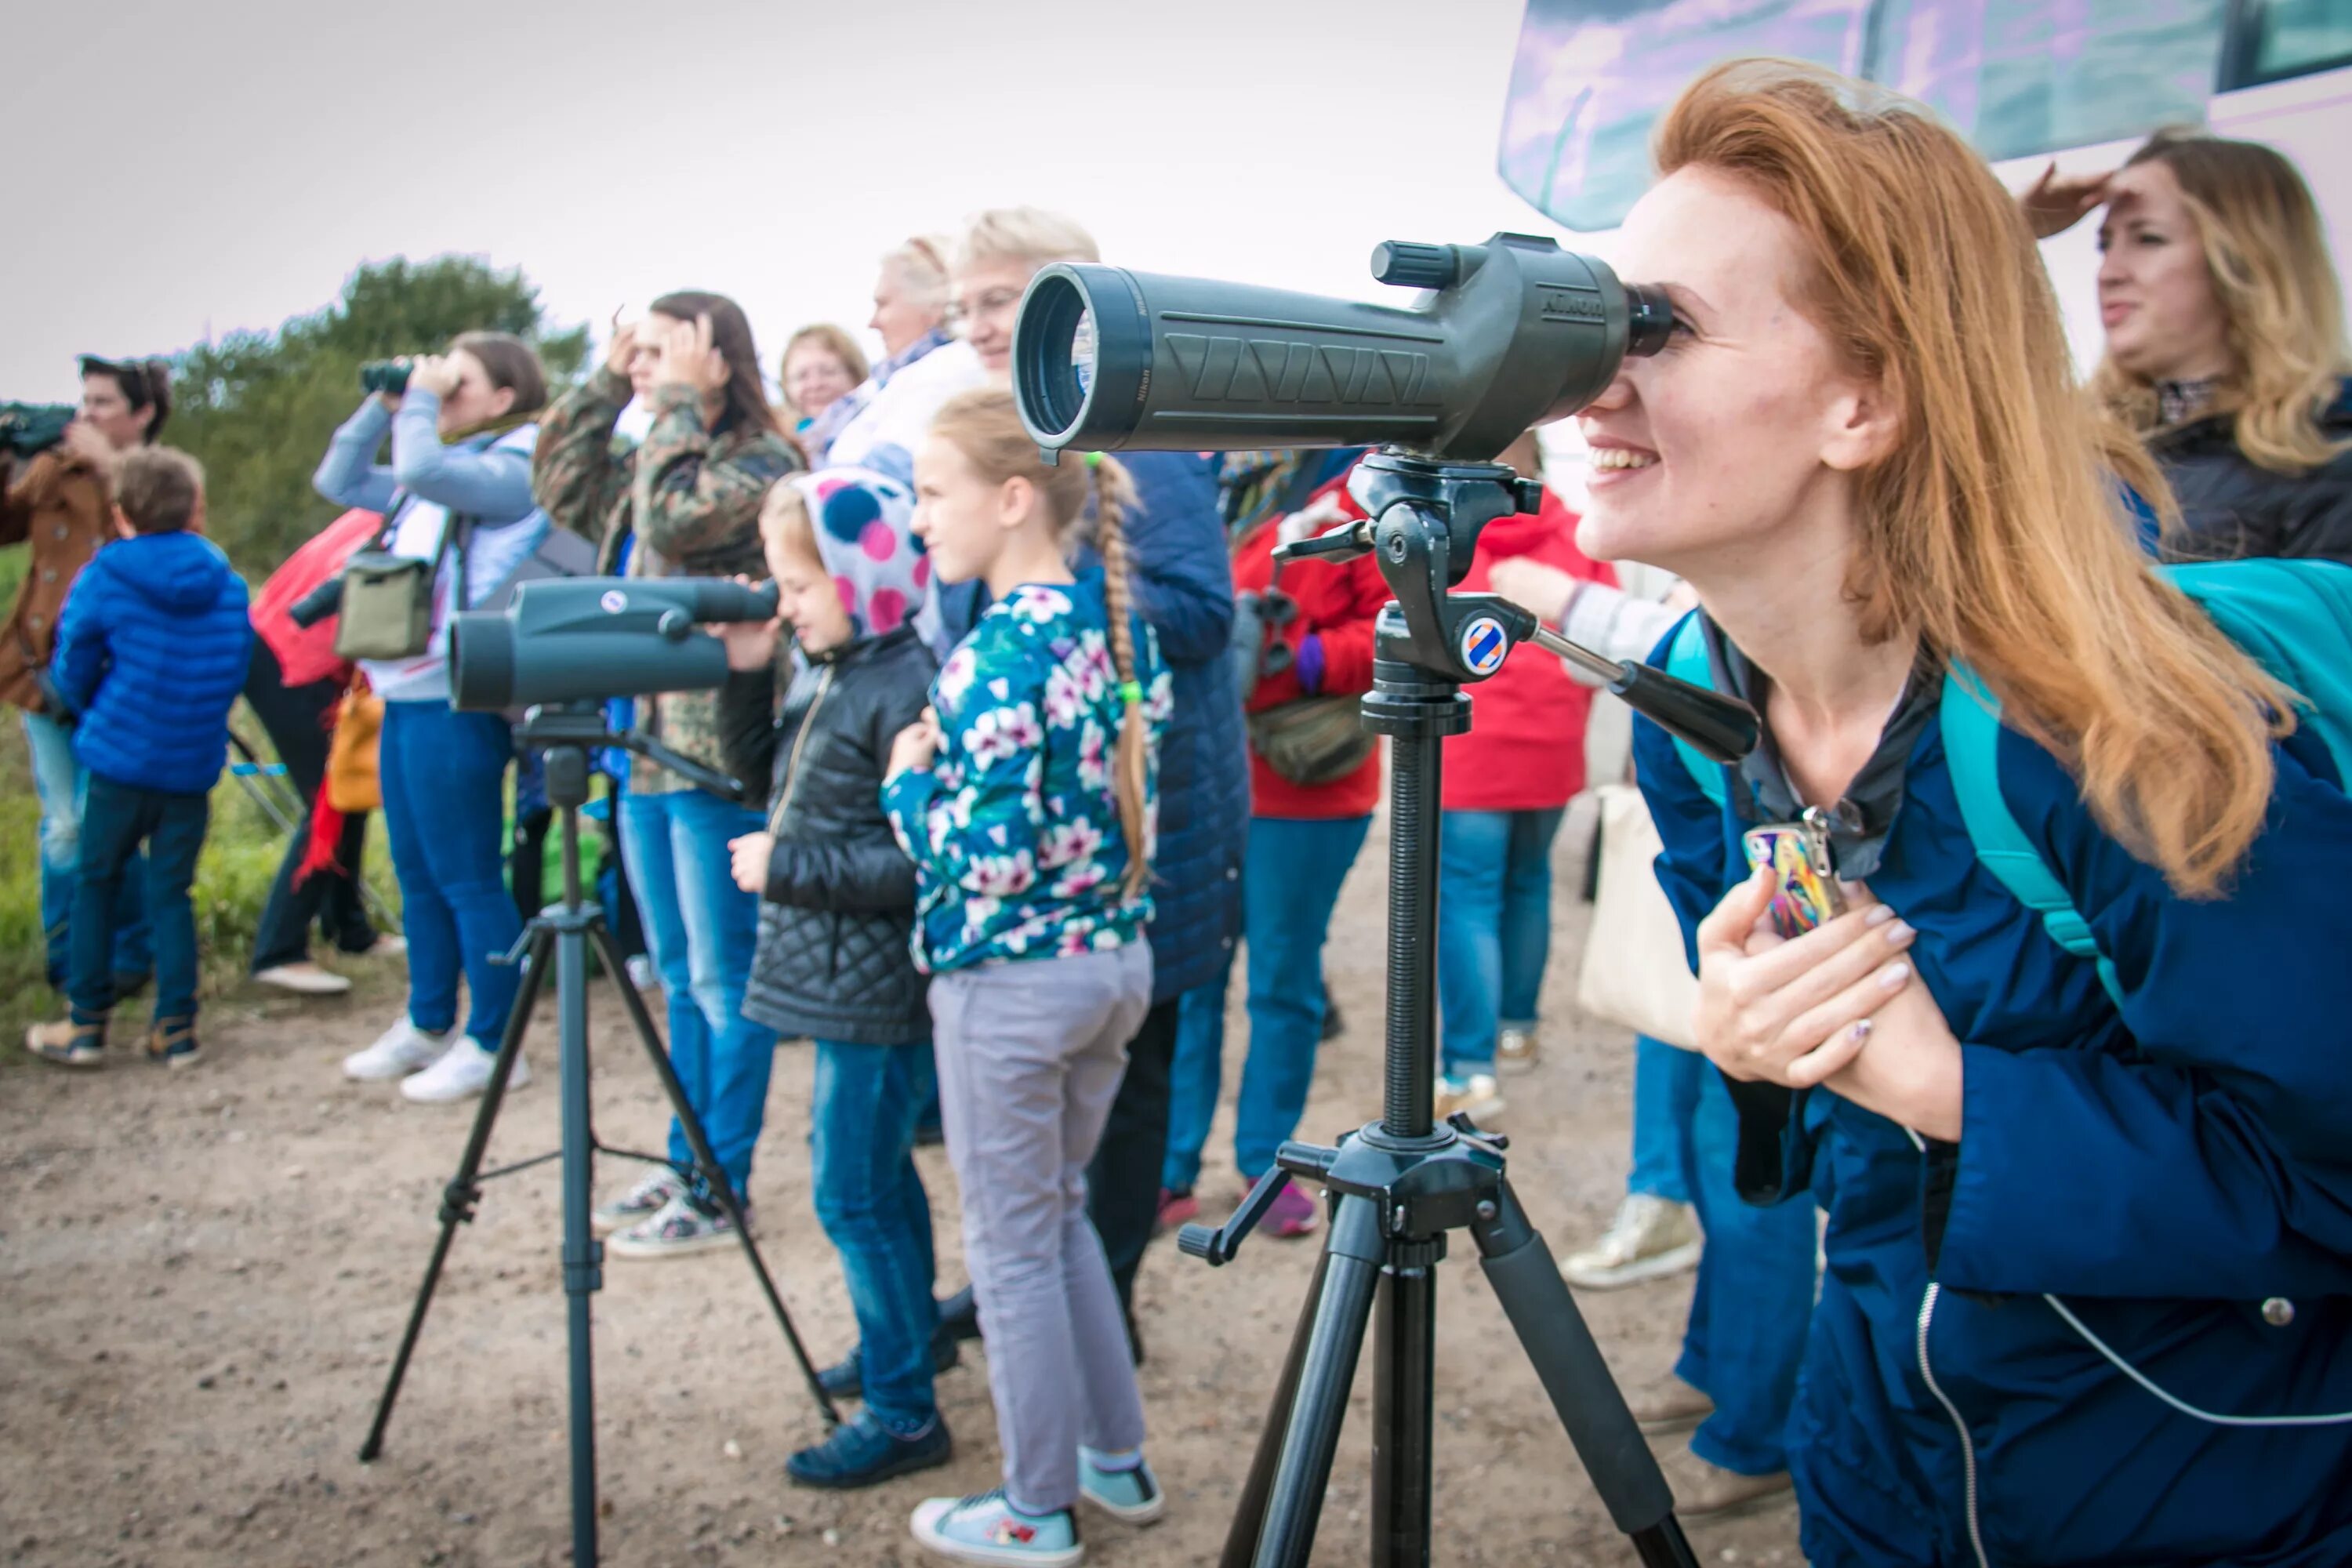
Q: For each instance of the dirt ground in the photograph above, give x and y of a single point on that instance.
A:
(202, 1276)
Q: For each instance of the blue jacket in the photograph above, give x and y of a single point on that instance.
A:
(151, 653)
(1184, 586)
(2162, 1171)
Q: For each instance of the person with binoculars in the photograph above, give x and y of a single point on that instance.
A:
(2089, 1241)
(457, 493)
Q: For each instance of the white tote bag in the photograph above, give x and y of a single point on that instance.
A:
(1634, 974)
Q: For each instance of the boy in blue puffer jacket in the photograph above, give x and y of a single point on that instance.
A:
(151, 653)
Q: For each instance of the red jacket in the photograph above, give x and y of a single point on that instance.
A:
(1338, 604)
(1525, 750)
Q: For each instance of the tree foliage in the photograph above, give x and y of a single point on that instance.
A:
(257, 408)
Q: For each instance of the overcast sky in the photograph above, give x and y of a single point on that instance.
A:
(185, 169)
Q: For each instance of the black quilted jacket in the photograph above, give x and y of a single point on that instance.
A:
(832, 961)
(2231, 510)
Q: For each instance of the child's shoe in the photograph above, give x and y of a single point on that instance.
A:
(686, 1225)
(863, 1453)
(1294, 1213)
(1176, 1208)
(171, 1043)
(1121, 1485)
(985, 1528)
(68, 1044)
(647, 1198)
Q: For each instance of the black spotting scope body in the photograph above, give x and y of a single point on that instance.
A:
(569, 639)
(1516, 333)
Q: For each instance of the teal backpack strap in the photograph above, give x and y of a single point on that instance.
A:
(1971, 728)
(1686, 660)
(2294, 618)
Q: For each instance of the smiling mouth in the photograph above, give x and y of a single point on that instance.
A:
(1608, 458)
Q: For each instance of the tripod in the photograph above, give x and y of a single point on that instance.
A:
(565, 931)
(1395, 1187)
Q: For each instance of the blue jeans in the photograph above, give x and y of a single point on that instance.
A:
(1290, 884)
(870, 1200)
(1753, 1303)
(116, 820)
(59, 780)
(1665, 1095)
(1194, 1079)
(701, 929)
(1494, 928)
(444, 774)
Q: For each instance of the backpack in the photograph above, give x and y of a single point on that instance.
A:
(2292, 617)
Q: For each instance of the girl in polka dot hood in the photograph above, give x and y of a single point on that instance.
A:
(861, 520)
(813, 726)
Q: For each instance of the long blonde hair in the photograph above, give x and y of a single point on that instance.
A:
(1994, 529)
(984, 425)
(2267, 255)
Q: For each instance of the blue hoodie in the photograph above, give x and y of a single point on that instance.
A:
(2174, 1171)
(151, 653)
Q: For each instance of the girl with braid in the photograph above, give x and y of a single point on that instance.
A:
(1026, 796)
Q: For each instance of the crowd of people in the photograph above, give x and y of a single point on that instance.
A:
(1035, 750)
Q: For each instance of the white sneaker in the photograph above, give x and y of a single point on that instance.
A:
(397, 1052)
(463, 1073)
(1478, 1096)
(642, 973)
(304, 978)
(1650, 1238)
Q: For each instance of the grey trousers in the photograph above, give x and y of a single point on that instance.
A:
(1030, 1055)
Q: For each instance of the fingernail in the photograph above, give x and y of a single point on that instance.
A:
(1879, 915)
(1893, 975)
(1860, 1032)
(1899, 932)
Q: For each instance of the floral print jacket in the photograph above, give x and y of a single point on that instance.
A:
(1014, 827)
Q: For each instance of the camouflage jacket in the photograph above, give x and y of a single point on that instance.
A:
(689, 495)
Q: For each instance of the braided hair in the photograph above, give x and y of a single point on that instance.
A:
(984, 425)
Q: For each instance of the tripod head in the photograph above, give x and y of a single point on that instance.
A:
(568, 731)
(1426, 515)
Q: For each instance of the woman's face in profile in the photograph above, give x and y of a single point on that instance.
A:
(1708, 448)
(2156, 301)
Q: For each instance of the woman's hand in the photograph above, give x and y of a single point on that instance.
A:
(1786, 1012)
(435, 374)
(688, 358)
(1838, 1006)
(750, 855)
(917, 745)
(1533, 585)
(2056, 203)
(623, 346)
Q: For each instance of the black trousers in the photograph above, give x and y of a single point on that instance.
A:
(1123, 1182)
(296, 717)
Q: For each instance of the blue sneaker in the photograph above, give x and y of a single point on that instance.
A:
(985, 1528)
(863, 1452)
(1123, 1487)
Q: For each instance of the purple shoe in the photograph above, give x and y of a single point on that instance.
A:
(1293, 1213)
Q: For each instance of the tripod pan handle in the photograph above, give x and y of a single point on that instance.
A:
(1723, 728)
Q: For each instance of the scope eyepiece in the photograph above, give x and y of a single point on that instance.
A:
(1649, 320)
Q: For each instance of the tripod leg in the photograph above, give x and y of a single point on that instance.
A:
(1352, 1263)
(708, 1162)
(1553, 1332)
(457, 1198)
(584, 1255)
(1240, 1541)
(1404, 1373)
